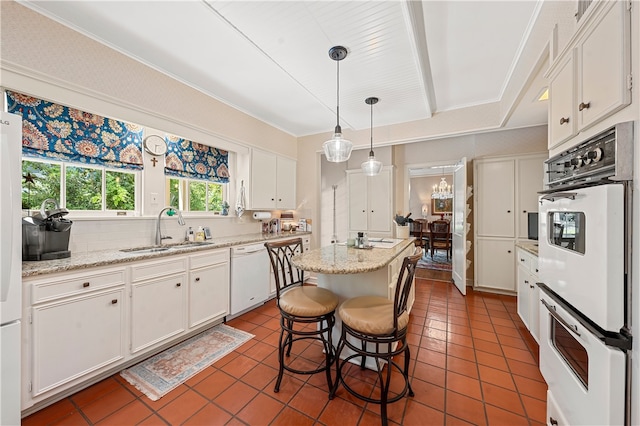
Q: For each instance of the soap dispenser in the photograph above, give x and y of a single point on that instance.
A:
(190, 235)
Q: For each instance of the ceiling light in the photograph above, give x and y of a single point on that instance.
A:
(371, 167)
(337, 149)
(442, 191)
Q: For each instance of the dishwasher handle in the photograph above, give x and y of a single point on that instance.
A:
(248, 250)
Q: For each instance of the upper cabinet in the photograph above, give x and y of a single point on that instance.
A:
(272, 182)
(591, 79)
(370, 202)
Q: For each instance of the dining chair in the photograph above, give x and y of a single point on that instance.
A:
(440, 236)
(420, 232)
(376, 327)
(307, 312)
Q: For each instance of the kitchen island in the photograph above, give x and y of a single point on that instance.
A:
(350, 272)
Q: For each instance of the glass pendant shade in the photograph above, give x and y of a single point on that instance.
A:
(371, 167)
(337, 149)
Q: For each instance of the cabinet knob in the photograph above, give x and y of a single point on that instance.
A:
(524, 211)
(553, 421)
(526, 281)
(508, 251)
(197, 279)
(273, 199)
(114, 301)
(279, 199)
(564, 120)
(85, 285)
(178, 284)
(584, 106)
(363, 211)
(531, 286)
(508, 211)
(521, 260)
(536, 270)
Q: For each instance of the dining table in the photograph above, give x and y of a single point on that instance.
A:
(349, 272)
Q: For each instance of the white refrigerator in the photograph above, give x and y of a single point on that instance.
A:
(10, 266)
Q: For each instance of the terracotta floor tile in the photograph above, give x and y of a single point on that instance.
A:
(462, 366)
(100, 408)
(340, 412)
(499, 416)
(506, 331)
(210, 414)
(434, 333)
(464, 385)
(156, 405)
(259, 376)
(515, 342)
(438, 359)
(433, 344)
(536, 409)
(183, 407)
(290, 385)
(496, 377)
(429, 373)
(486, 346)
(524, 369)
(310, 401)
(519, 354)
(489, 336)
(419, 415)
(239, 366)
(153, 420)
(214, 384)
(503, 398)
(460, 339)
(531, 388)
(454, 421)
(463, 330)
(132, 413)
(437, 324)
(491, 360)
(75, 419)
(260, 410)
(507, 322)
(465, 408)
(235, 397)
(97, 391)
(260, 351)
(464, 352)
(428, 394)
(291, 417)
(459, 321)
(62, 408)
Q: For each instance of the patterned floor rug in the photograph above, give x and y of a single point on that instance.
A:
(165, 371)
(439, 261)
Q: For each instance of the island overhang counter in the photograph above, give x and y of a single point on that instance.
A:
(350, 272)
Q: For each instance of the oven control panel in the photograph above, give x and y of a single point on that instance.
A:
(598, 158)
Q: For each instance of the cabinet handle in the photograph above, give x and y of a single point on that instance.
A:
(584, 106)
(521, 260)
(178, 284)
(114, 301)
(553, 421)
(536, 270)
(526, 281)
(532, 286)
(85, 285)
(508, 251)
(197, 279)
(564, 120)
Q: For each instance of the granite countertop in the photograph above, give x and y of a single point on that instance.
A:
(529, 246)
(340, 259)
(114, 257)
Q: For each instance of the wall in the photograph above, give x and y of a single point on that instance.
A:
(420, 193)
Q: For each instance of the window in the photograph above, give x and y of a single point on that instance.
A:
(78, 187)
(196, 195)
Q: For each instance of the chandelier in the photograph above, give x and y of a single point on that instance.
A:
(442, 191)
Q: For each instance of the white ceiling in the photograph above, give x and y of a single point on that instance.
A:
(270, 58)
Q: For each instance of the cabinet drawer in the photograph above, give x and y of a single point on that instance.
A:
(208, 258)
(533, 267)
(155, 269)
(74, 284)
(524, 259)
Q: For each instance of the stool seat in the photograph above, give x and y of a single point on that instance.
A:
(308, 301)
(372, 315)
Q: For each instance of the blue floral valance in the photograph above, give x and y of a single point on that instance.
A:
(197, 161)
(62, 133)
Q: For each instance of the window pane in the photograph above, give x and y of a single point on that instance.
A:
(121, 190)
(197, 196)
(174, 192)
(215, 197)
(84, 188)
(39, 182)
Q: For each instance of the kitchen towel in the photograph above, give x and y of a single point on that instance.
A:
(160, 374)
(261, 215)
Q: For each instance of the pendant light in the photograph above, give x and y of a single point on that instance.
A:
(371, 167)
(337, 149)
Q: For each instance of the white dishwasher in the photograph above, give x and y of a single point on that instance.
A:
(249, 277)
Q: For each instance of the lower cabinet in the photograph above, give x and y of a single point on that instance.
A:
(528, 291)
(76, 326)
(394, 269)
(495, 264)
(208, 286)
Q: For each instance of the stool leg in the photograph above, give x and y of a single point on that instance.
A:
(407, 359)
(384, 390)
(289, 340)
(328, 350)
(341, 343)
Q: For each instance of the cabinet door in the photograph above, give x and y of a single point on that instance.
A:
(157, 310)
(525, 286)
(286, 184)
(495, 261)
(74, 337)
(530, 181)
(561, 103)
(379, 204)
(358, 202)
(263, 180)
(604, 66)
(495, 183)
(208, 293)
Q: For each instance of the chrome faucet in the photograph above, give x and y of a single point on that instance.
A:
(170, 211)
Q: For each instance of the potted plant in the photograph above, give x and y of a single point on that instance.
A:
(402, 225)
(225, 208)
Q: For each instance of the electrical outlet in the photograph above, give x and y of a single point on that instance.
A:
(154, 198)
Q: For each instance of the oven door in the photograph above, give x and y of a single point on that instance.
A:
(581, 251)
(585, 377)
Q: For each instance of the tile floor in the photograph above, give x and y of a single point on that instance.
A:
(473, 363)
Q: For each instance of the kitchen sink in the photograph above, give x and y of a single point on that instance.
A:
(145, 250)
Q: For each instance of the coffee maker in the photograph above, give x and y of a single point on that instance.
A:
(45, 235)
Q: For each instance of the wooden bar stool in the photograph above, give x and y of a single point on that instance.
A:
(380, 326)
(300, 306)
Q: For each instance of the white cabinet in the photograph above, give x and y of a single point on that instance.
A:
(600, 82)
(505, 190)
(208, 286)
(76, 328)
(495, 264)
(272, 181)
(394, 269)
(528, 291)
(158, 295)
(370, 202)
